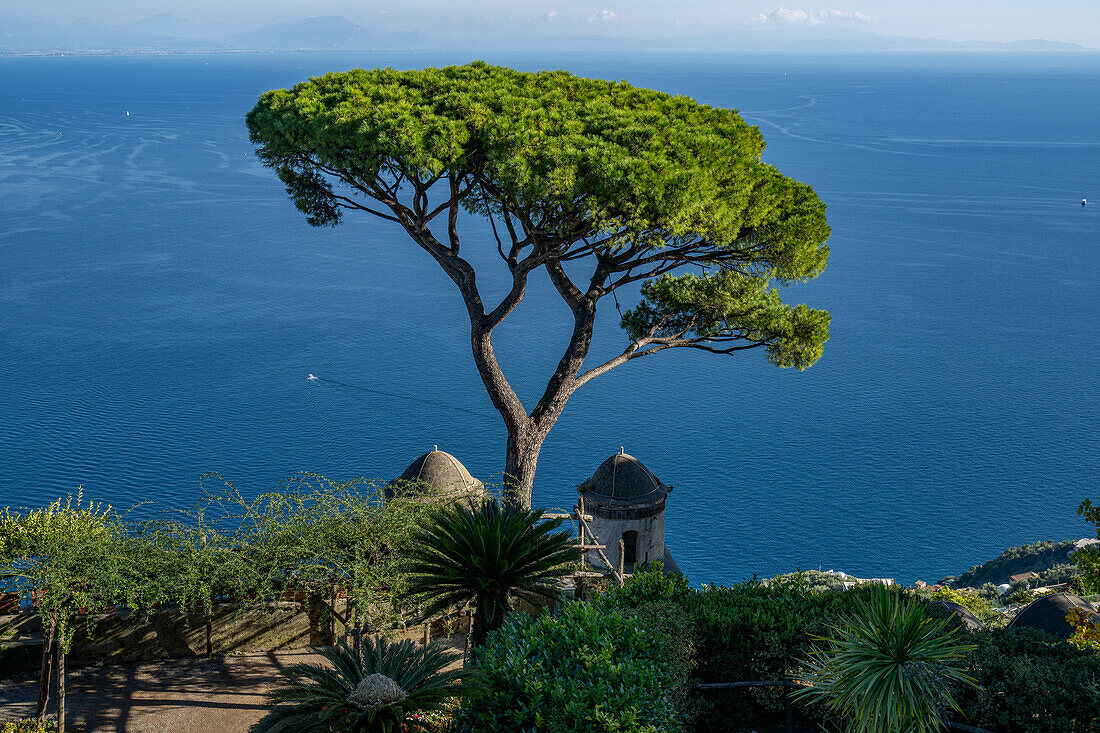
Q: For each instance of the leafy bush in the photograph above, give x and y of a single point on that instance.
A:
(976, 604)
(1059, 574)
(587, 669)
(888, 668)
(1088, 558)
(816, 580)
(1031, 682)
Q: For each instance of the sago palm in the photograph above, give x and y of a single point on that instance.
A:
(487, 553)
(889, 668)
(375, 690)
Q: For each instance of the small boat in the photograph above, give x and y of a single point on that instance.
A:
(312, 378)
(127, 113)
(1084, 202)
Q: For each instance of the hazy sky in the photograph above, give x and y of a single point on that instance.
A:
(1076, 21)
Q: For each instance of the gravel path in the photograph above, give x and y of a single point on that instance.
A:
(173, 696)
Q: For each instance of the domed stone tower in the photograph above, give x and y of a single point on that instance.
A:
(627, 503)
(446, 474)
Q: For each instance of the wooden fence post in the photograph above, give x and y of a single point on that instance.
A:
(209, 634)
(60, 683)
(46, 672)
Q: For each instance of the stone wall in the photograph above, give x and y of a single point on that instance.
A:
(125, 636)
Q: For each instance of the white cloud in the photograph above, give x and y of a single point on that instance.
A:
(605, 15)
(789, 16)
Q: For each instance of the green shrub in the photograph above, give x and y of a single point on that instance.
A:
(973, 602)
(1031, 682)
(586, 669)
(752, 631)
(648, 586)
(888, 668)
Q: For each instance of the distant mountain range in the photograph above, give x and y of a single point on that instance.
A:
(172, 34)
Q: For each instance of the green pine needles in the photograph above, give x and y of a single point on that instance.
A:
(375, 690)
(889, 668)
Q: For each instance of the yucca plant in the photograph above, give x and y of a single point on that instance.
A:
(889, 668)
(486, 553)
(383, 688)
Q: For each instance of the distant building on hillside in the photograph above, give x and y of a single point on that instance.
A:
(627, 503)
(1023, 577)
(1082, 544)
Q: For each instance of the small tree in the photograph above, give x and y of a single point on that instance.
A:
(598, 185)
(487, 554)
(68, 557)
(1088, 558)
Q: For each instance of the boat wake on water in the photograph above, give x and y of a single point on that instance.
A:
(397, 395)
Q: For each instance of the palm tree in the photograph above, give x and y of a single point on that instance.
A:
(889, 668)
(375, 690)
(487, 553)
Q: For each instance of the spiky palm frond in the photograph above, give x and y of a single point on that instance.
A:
(889, 668)
(487, 553)
(315, 697)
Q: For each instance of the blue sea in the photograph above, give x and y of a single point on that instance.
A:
(162, 303)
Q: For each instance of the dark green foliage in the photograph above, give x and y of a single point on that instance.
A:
(888, 668)
(749, 632)
(673, 623)
(652, 585)
(1058, 575)
(1031, 682)
(313, 697)
(1088, 558)
(1036, 557)
(584, 670)
(487, 554)
(551, 144)
(815, 580)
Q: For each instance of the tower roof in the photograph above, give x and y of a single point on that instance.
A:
(443, 471)
(623, 479)
(1049, 614)
(964, 615)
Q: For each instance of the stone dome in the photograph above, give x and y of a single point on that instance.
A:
(1049, 614)
(965, 616)
(623, 479)
(443, 471)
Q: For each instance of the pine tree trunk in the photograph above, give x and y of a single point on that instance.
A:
(519, 469)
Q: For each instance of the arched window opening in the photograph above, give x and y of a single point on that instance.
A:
(630, 547)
